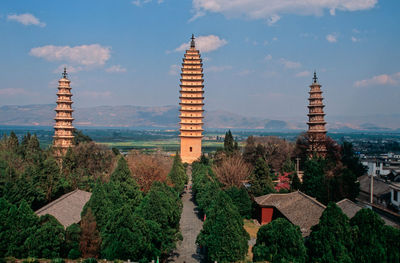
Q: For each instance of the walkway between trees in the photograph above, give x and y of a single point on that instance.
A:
(190, 226)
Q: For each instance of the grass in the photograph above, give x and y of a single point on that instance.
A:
(252, 229)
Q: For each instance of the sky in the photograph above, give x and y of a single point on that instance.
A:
(258, 55)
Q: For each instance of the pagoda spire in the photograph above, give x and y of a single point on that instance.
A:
(191, 105)
(63, 136)
(316, 124)
(65, 74)
(192, 43)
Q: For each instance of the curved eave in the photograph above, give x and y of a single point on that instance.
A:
(191, 104)
(191, 98)
(191, 136)
(186, 110)
(191, 117)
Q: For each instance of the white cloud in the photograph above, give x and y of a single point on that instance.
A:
(268, 57)
(274, 39)
(245, 72)
(380, 80)
(263, 9)
(26, 19)
(217, 68)
(303, 74)
(174, 70)
(87, 55)
(289, 64)
(354, 39)
(116, 69)
(205, 43)
(13, 92)
(273, 19)
(332, 38)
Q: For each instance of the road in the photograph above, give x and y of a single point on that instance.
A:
(190, 226)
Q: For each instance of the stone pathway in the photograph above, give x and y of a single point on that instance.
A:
(190, 225)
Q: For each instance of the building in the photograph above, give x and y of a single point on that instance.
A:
(191, 102)
(298, 208)
(305, 211)
(395, 195)
(67, 209)
(316, 133)
(63, 136)
(381, 190)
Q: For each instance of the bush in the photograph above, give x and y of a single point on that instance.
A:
(30, 260)
(74, 254)
(90, 260)
(57, 260)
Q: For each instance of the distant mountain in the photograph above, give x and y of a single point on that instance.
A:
(167, 117)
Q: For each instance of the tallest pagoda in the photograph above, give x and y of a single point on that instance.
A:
(191, 102)
(316, 124)
(63, 129)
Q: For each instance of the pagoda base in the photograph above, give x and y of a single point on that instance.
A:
(190, 149)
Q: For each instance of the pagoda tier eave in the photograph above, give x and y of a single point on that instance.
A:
(191, 98)
(192, 80)
(63, 118)
(63, 127)
(183, 110)
(64, 101)
(191, 136)
(192, 64)
(191, 104)
(191, 117)
(191, 91)
(316, 114)
(191, 86)
(191, 123)
(191, 130)
(63, 137)
(316, 106)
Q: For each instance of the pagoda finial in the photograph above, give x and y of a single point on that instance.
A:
(192, 43)
(65, 74)
(315, 77)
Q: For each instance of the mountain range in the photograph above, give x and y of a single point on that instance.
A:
(167, 117)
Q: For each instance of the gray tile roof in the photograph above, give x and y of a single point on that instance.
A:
(67, 209)
(299, 208)
(380, 187)
(348, 207)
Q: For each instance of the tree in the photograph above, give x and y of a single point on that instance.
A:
(314, 179)
(90, 238)
(72, 238)
(121, 172)
(80, 137)
(177, 175)
(331, 239)
(148, 168)
(261, 182)
(241, 199)
(127, 236)
(163, 206)
(229, 143)
(369, 237)
(279, 241)
(232, 171)
(392, 240)
(48, 240)
(223, 234)
(296, 184)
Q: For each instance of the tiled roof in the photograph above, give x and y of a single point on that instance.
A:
(380, 187)
(299, 208)
(67, 209)
(348, 207)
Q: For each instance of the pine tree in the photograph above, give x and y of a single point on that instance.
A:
(223, 234)
(279, 241)
(177, 174)
(331, 239)
(90, 238)
(261, 182)
(229, 146)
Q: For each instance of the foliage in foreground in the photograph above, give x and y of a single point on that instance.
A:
(279, 241)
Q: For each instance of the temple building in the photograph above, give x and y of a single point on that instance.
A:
(63, 136)
(316, 124)
(191, 102)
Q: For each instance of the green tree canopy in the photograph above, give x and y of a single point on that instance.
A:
(369, 237)
(331, 239)
(241, 199)
(177, 174)
(279, 241)
(261, 182)
(223, 234)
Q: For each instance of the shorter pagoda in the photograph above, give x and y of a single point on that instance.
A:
(316, 124)
(63, 135)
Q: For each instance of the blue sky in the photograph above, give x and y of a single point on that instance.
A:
(258, 54)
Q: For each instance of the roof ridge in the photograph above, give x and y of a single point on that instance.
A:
(56, 201)
(312, 199)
